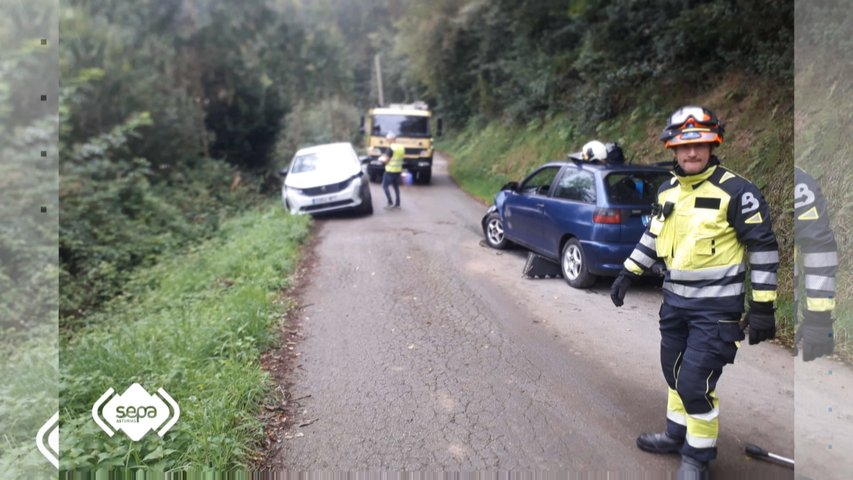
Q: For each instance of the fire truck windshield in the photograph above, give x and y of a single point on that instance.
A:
(401, 125)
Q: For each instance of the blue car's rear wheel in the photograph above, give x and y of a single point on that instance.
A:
(573, 264)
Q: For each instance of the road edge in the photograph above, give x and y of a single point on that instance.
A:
(278, 409)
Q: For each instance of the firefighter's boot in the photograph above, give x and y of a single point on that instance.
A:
(659, 443)
(692, 469)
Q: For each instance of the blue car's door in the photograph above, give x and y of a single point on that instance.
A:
(523, 209)
(569, 210)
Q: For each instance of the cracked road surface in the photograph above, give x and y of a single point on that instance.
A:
(425, 351)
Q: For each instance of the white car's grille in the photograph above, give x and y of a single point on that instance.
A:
(326, 189)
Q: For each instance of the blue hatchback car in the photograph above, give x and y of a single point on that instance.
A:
(587, 217)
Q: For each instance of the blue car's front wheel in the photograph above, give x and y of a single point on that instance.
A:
(493, 230)
(573, 264)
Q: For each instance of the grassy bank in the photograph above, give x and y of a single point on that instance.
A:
(28, 398)
(758, 145)
(195, 326)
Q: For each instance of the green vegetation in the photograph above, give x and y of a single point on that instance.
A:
(28, 397)
(522, 61)
(195, 325)
(329, 120)
(484, 158)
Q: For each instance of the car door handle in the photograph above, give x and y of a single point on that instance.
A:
(540, 205)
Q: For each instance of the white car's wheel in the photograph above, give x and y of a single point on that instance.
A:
(366, 200)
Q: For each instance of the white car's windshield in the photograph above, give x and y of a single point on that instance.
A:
(328, 160)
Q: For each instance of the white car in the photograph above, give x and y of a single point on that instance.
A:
(326, 178)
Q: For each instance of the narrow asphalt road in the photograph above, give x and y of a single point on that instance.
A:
(425, 351)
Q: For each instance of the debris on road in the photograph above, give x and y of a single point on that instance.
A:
(309, 422)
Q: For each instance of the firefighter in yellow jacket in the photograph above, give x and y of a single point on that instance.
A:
(393, 161)
(708, 223)
(818, 250)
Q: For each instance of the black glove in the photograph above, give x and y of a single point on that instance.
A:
(621, 285)
(761, 320)
(816, 333)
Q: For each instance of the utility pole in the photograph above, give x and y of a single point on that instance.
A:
(377, 65)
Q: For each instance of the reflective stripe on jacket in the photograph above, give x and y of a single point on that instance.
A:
(719, 222)
(395, 162)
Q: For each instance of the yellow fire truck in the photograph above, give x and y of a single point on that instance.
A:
(411, 124)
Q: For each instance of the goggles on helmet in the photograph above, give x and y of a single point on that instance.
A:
(692, 125)
(700, 115)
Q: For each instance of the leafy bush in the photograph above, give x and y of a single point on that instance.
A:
(118, 212)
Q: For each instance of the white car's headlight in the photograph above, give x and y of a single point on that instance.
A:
(294, 191)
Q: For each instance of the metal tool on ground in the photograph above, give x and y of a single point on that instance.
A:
(759, 453)
(539, 266)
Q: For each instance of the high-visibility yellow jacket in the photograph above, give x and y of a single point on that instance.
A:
(395, 158)
(814, 238)
(718, 221)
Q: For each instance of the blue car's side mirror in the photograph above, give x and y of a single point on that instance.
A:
(511, 186)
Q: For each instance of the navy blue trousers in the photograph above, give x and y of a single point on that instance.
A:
(694, 348)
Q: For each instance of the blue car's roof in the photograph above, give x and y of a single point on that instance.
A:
(610, 167)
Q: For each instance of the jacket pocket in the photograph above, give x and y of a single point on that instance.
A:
(704, 245)
(731, 335)
(730, 331)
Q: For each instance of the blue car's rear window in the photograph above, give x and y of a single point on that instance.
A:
(634, 188)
